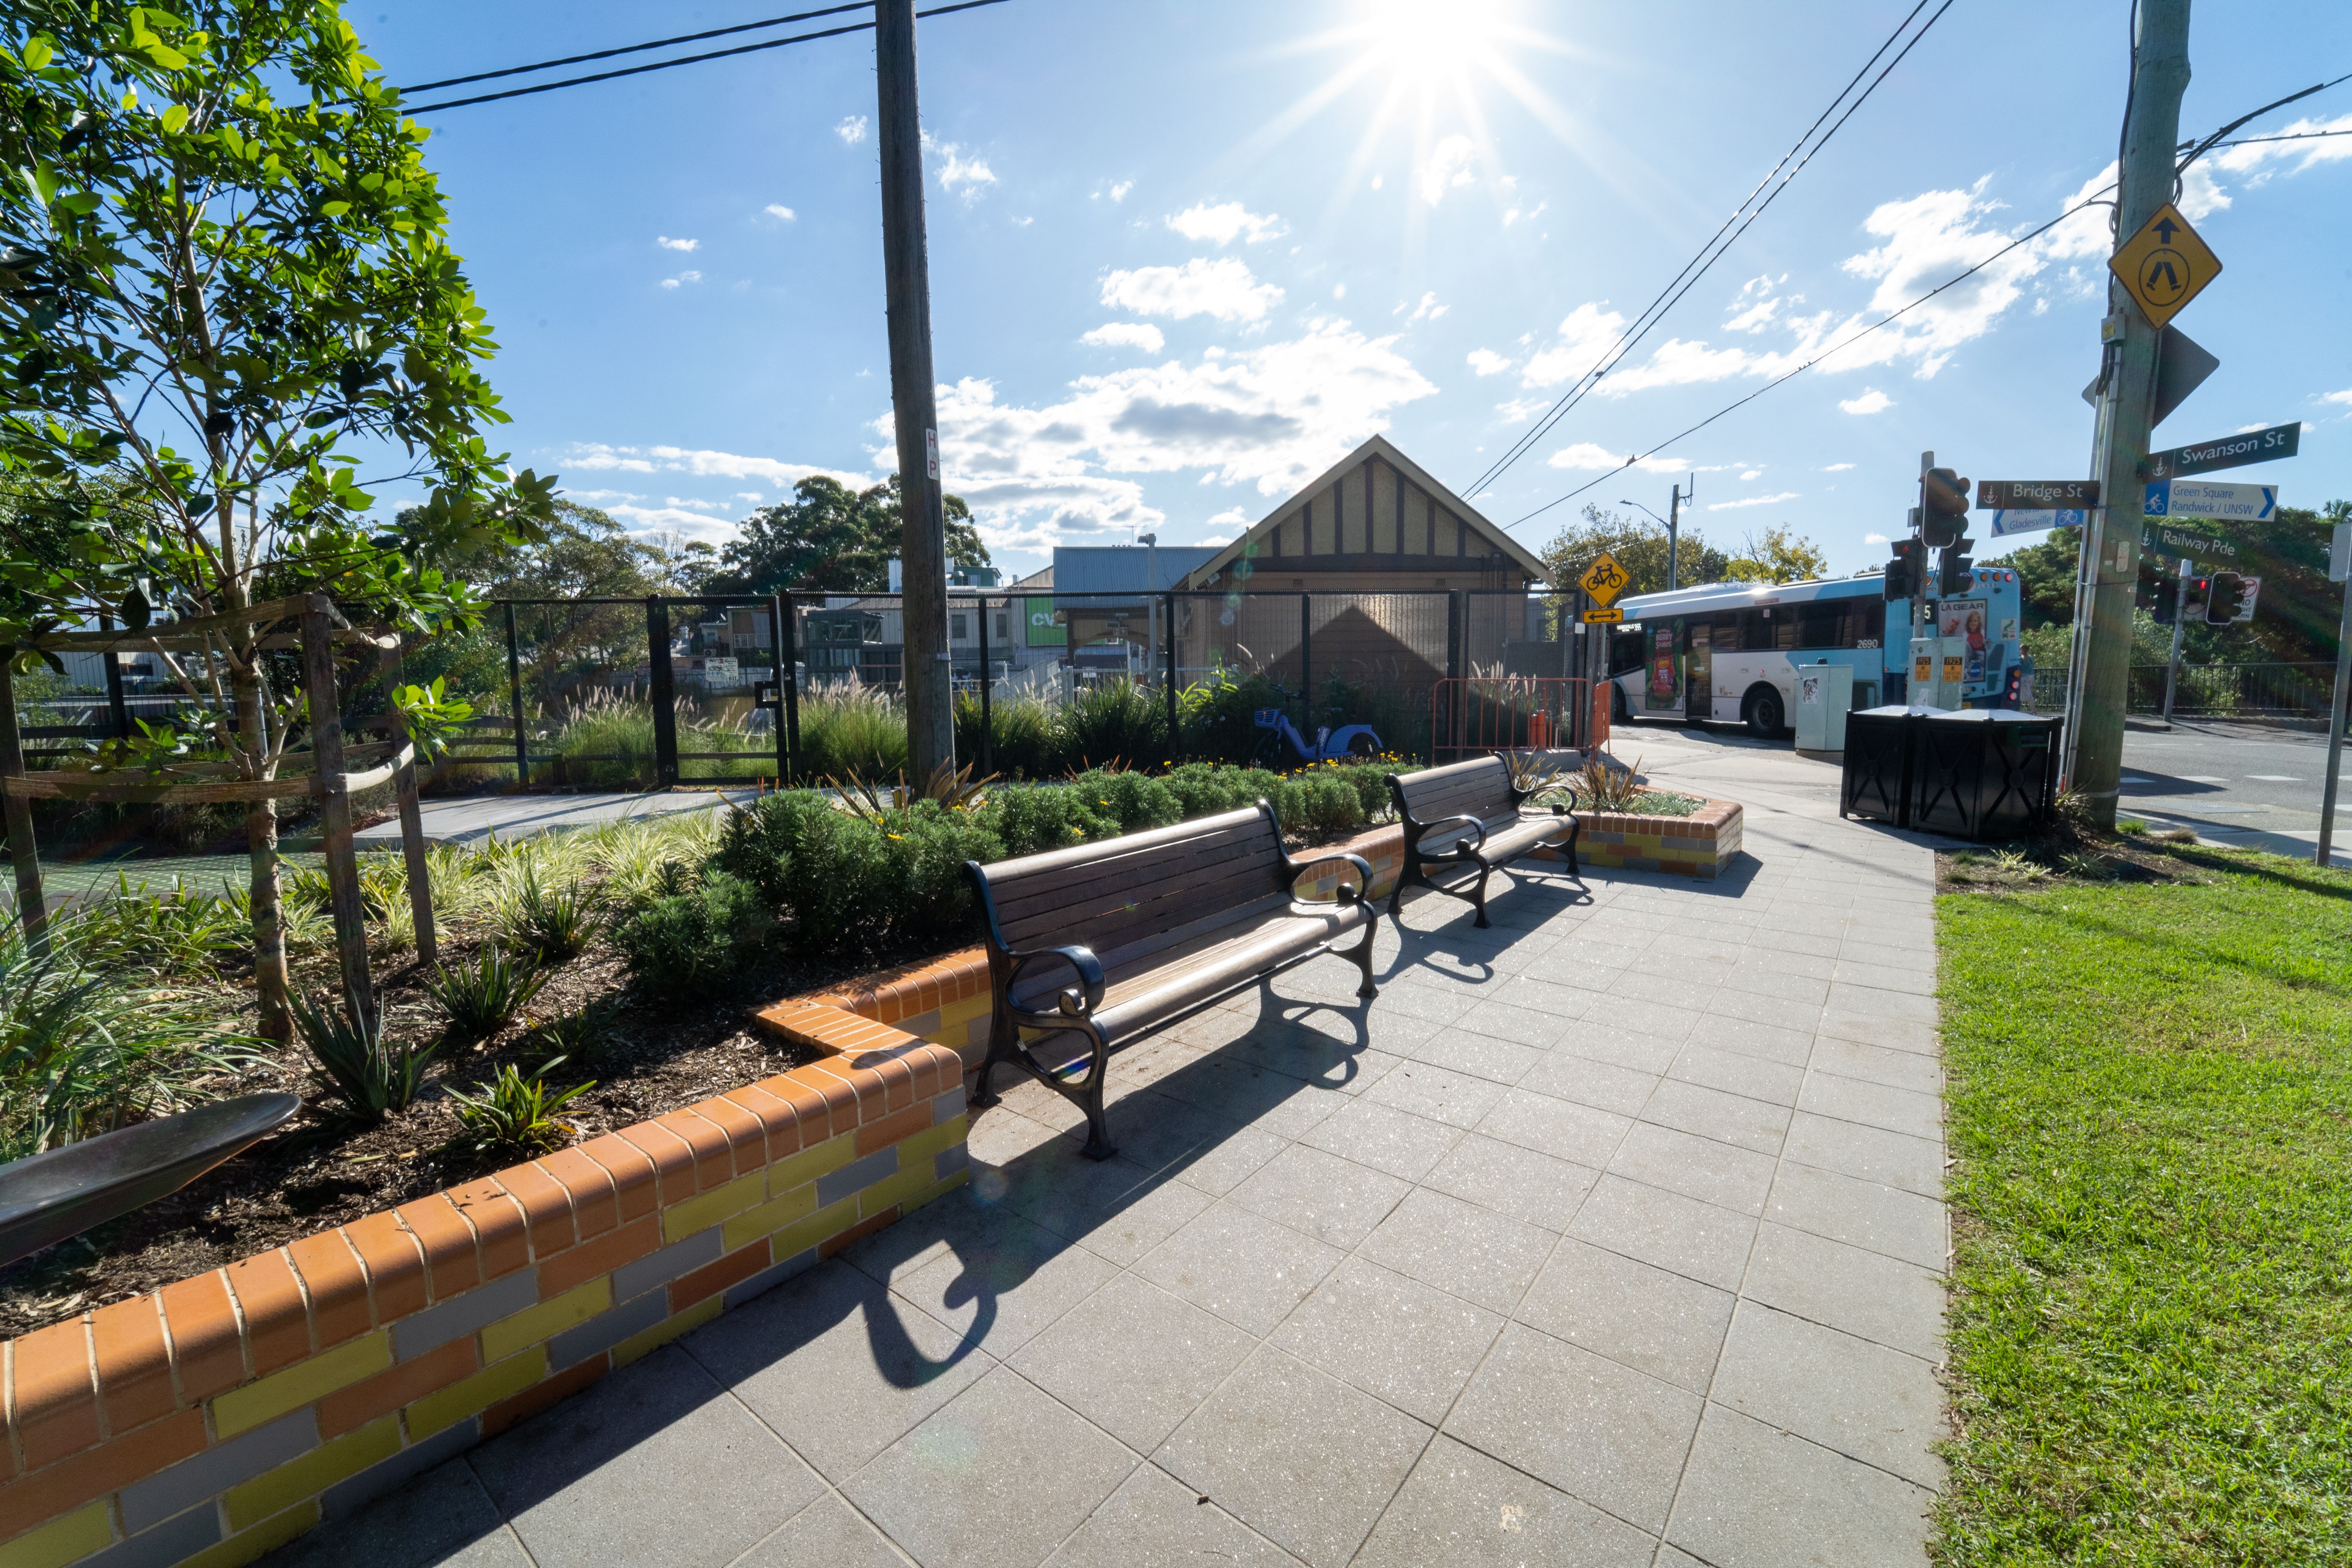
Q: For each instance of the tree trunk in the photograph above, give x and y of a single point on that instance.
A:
(262, 849)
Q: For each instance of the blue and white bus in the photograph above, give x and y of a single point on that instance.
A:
(1727, 652)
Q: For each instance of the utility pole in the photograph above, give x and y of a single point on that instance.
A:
(1673, 533)
(2179, 619)
(2098, 686)
(2339, 570)
(922, 527)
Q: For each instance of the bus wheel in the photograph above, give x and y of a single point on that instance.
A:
(1763, 714)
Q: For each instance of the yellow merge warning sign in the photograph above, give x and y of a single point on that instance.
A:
(2165, 265)
(1604, 580)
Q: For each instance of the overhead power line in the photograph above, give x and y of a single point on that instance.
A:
(635, 49)
(1799, 155)
(2201, 148)
(665, 65)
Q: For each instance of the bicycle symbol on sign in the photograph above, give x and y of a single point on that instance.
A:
(1604, 580)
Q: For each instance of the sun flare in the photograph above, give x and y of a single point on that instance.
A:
(1432, 36)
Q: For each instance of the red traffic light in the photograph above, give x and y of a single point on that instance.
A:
(1944, 507)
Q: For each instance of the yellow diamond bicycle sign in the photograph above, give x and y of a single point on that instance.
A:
(2165, 265)
(1604, 580)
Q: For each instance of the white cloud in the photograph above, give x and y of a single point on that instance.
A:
(667, 243)
(1223, 288)
(647, 520)
(1513, 215)
(1585, 334)
(695, 504)
(598, 498)
(755, 497)
(688, 276)
(1486, 362)
(1873, 539)
(1520, 409)
(2343, 396)
(958, 174)
(1837, 468)
(1426, 310)
(852, 130)
(1753, 500)
(1588, 455)
(1117, 192)
(1872, 401)
(595, 456)
(1755, 306)
(1222, 225)
(1750, 474)
(1137, 335)
(1448, 166)
(1339, 291)
(780, 212)
(1271, 416)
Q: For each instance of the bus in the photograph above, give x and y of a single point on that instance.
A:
(1727, 652)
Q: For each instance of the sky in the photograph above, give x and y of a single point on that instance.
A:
(1184, 256)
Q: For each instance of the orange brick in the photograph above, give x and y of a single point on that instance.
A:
(602, 1255)
(53, 1404)
(811, 1106)
(857, 1232)
(860, 1094)
(395, 1264)
(712, 1277)
(890, 1129)
(714, 1160)
(269, 1299)
(63, 1487)
(539, 1396)
(672, 1157)
(782, 1122)
(586, 1186)
(362, 1402)
(337, 1288)
(207, 1352)
(636, 1186)
(546, 1207)
(742, 1131)
(497, 1222)
(134, 1365)
(450, 1263)
(897, 1081)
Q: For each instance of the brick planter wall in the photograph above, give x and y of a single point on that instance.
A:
(1700, 844)
(224, 1415)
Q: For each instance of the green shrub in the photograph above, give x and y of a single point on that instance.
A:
(373, 1077)
(1030, 819)
(1317, 801)
(512, 1114)
(690, 939)
(1114, 723)
(479, 998)
(556, 926)
(926, 846)
(1135, 801)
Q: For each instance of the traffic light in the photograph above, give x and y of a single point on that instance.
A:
(1955, 569)
(2229, 599)
(2164, 600)
(1905, 572)
(1943, 507)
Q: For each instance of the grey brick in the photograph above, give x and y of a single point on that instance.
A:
(634, 1280)
(217, 1469)
(768, 1278)
(605, 1329)
(856, 1176)
(460, 1316)
(948, 1106)
(349, 1496)
(947, 1162)
(174, 1541)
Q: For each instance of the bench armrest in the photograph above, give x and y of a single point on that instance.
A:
(1472, 823)
(1345, 894)
(1073, 1003)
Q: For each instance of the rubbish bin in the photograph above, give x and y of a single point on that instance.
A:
(1983, 773)
(1875, 784)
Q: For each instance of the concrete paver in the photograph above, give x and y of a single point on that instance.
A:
(1612, 1235)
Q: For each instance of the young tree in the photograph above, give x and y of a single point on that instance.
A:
(828, 540)
(1779, 556)
(224, 281)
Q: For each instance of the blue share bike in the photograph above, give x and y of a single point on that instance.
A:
(1328, 745)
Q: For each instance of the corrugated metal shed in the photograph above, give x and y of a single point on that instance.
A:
(1120, 568)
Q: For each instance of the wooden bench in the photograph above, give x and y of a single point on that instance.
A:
(1471, 815)
(1091, 945)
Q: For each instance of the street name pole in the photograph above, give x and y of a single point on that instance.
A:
(2098, 689)
(2338, 699)
(2179, 619)
(905, 264)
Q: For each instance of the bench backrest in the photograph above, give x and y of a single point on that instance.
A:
(1480, 788)
(1135, 892)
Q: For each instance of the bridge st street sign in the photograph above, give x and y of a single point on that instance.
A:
(2029, 506)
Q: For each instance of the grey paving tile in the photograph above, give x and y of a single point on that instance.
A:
(993, 1480)
(1865, 1214)
(1262, 1448)
(1438, 1004)
(1535, 990)
(1914, 1164)
(1479, 1056)
(1558, 1127)
(926, 1235)
(1245, 1268)
(1719, 1173)
(1604, 1432)
(1917, 978)
(1790, 940)
(1758, 959)
(1731, 1118)
(1520, 1025)
(1113, 1208)
(1756, 1497)
(1154, 1520)
(1669, 978)
(1648, 1319)
(1003, 1282)
(1397, 1338)
(1734, 1072)
(1386, 1139)
(1894, 1034)
(1874, 1105)
(1134, 1360)
(1870, 1002)
(1328, 1063)
(1859, 1397)
(1690, 1238)
(828, 1533)
(1329, 1198)
(1001, 1135)
(1243, 1091)
(1205, 1149)
(1607, 1042)
(1439, 1093)
(1147, 1061)
(1622, 1091)
(1459, 1506)
(1779, 982)
(1537, 1189)
(1876, 1064)
(1726, 1003)
(1474, 1253)
(1866, 1293)
(884, 1365)
(442, 1520)
(1774, 1042)
(653, 1464)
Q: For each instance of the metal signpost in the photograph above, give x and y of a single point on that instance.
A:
(2339, 570)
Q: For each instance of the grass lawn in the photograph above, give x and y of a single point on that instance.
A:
(2151, 1116)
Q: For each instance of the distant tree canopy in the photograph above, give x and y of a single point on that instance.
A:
(829, 539)
(585, 555)
(1639, 544)
(1778, 557)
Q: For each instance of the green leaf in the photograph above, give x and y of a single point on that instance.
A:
(175, 119)
(37, 51)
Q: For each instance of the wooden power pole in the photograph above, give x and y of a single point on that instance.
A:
(905, 263)
(2100, 687)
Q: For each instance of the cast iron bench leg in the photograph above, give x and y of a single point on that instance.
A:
(1485, 871)
(1363, 954)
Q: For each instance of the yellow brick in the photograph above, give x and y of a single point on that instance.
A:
(259, 1541)
(919, 1149)
(753, 1224)
(810, 1163)
(890, 1190)
(61, 1541)
(241, 1409)
(796, 1239)
(963, 1012)
(452, 1404)
(700, 1214)
(638, 1346)
(311, 1474)
(535, 1325)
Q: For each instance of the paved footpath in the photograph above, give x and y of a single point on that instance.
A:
(1609, 1235)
